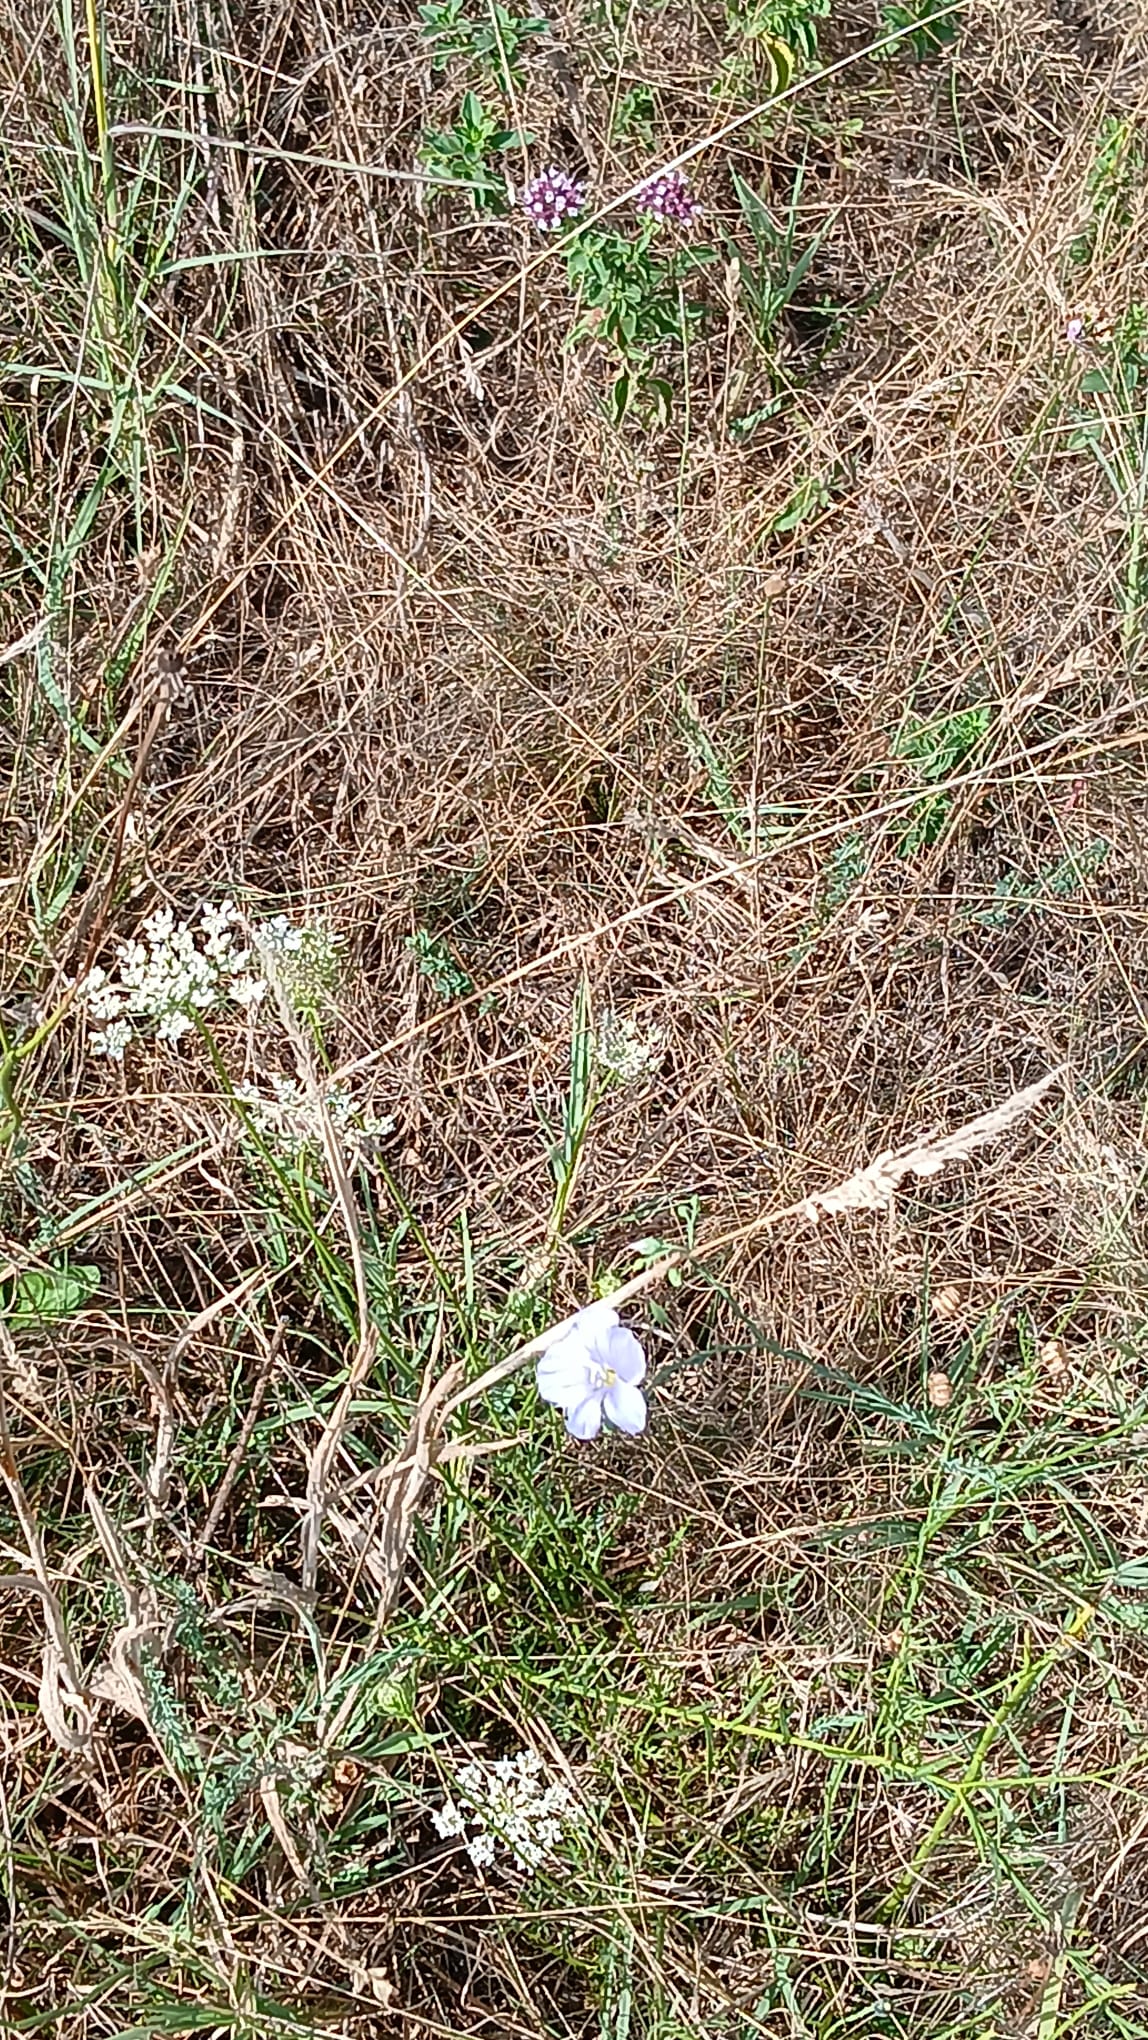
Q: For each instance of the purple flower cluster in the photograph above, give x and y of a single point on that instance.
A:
(668, 197)
(551, 198)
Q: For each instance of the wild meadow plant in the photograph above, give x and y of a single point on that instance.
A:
(174, 972)
(824, 1604)
(629, 295)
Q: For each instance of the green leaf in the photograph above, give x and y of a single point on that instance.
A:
(755, 214)
(810, 496)
(620, 397)
(45, 1296)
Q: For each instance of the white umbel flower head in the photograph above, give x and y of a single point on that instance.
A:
(507, 1804)
(625, 1052)
(168, 974)
(592, 1370)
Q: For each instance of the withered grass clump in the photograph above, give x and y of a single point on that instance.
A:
(709, 755)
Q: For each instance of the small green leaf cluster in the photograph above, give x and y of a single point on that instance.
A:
(491, 43)
(937, 748)
(466, 154)
(926, 29)
(1115, 177)
(438, 966)
(636, 301)
(461, 155)
(770, 41)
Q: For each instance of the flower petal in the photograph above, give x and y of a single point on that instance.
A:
(564, 1374)
(593, 1325)
(625, 1406)
(585, 1419)
(625, 1355)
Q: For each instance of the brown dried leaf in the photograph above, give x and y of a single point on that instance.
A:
(406, 1478)
(323, 1456)
(373, 1983)
(874, 1187)
(939, 1389)
(277, 1822)
(59, 1689)
(117, 1680)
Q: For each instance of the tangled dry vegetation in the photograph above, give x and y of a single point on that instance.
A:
(769, 704)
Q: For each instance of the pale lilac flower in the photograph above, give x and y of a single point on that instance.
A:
(551, 198)
(1074, 330)
(668, 197)
(592, 1370)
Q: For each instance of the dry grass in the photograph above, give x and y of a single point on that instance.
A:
(816, 746)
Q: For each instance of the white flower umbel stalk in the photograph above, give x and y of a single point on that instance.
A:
(507, 1804)
(288, 1118)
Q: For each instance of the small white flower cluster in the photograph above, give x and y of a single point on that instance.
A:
(303, 963)
(170, 972)
(624, 1052)
(507, 1802)
(288, 1121)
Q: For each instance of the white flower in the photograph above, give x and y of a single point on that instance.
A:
(171, 1026)
(623, 1051)
(247, 991)
(111, 1040)
(278, 938)
(105, 1001)
(509, 1804)
(216, 924)
(290, 1121)
(448, 1820)
(592, 1370)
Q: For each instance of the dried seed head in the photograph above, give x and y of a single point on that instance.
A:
(947, 1301)
(939, 1389)
(874, 1187)
(1054, 1358)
